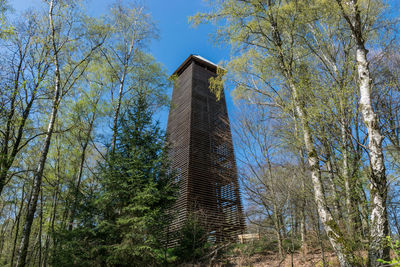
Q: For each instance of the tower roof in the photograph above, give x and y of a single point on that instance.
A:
(200, 60)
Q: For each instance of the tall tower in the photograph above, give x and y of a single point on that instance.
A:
(202, 153)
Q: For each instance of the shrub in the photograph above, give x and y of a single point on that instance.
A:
(193, 244)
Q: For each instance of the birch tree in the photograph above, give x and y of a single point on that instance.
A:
(66, 72)
(24, 74)
(87, 109)
(131, 30)
(354, 12)
(50, 92)
(276, 67)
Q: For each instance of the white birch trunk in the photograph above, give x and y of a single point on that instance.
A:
(117, 111)
(379, 223)
(120, 92)
(330, 225)
(335, 236)
(37, 179)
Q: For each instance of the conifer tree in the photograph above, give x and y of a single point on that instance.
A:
(128, 215)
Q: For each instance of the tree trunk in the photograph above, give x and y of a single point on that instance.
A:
(116, 112)
(79, 177)
(4, 158)
(351, 186)
(17, 225)
(303, 229)
(7, 158)
(4, 231)
(346, 178)
(321, 244)
(38, 181)
(332, 185)
(379, 227)
(278, 229)
(7, 161)
(303, 234)
(331, 227)
(127, 58)
(50, 229)
(44, 151)
(40, 229)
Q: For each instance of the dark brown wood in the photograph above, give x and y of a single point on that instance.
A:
(202, 154)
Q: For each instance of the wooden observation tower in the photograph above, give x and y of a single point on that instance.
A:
(202, 154)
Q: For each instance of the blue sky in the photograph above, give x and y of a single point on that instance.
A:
(178, 39)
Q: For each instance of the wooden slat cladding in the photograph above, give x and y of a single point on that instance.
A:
(202, 155)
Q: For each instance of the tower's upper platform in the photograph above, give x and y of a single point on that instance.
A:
(199, 60)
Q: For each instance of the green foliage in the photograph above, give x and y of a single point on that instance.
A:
(296, 60)
(127, 216)
(262, 246)
(257, 247)
(5, 30)
(193, 243)
(80, 247)
(217, 83)
(395, 247)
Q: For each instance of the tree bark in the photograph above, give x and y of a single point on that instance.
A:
(116, 112)
(347, 183)
(80, 172)
(330, 225)
(38, 180)
(44, 151)
(17, 225)
(40, 229)
(332, 185)
(303, 230)
(127, 58)
(4, 158)
(277, 225)
(332, 229)
(379, 227)
(50, 229)
(321, 244)
(303, 234)
(7, 156)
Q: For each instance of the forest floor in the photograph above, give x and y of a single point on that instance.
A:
(260, 260)
(313, 258)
